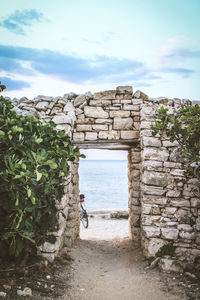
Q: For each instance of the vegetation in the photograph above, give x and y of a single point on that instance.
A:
(183, 127)
(33, 164)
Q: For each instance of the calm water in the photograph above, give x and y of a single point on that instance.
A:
(104, 184)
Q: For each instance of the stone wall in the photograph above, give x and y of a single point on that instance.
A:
(162, 210)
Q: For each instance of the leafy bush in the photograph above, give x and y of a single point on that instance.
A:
(183, 127)
(33, 164)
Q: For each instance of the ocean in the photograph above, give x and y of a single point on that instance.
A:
(104, 184)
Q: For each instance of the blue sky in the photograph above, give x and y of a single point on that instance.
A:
(54, 47)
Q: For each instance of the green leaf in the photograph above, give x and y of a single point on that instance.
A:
(39, 175)
(28, 192)
(2, 133)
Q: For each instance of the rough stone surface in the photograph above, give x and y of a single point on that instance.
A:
(161, 208)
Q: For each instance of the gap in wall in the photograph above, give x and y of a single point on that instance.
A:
(104, 182)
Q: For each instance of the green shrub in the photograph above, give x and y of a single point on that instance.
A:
(33, 164)
(183, 127)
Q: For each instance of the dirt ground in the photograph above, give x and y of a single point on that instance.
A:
(106, 266)
(102, 265)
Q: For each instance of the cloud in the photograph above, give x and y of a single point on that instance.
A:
(12, 85)
(185, 73)
(21, 19)
(70, 68)
(179, 54)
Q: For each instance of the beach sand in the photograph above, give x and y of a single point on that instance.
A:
(103, 227)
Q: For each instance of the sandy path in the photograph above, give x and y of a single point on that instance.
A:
(111, 269)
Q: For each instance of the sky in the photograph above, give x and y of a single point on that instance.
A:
(54, 47)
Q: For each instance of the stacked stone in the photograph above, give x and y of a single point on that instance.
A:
(134, 204)
(109, 115)
(60, 110)
(169, 211)
(72, 226)
(162, 209)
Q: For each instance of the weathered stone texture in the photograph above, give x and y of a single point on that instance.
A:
(162, 209)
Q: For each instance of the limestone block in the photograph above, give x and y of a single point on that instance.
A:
(89, 121)
(156, 178)
(130, 134)
(140, 95)
(146, 132)
(100, 102)
(131, 107)
(136, 157)
(151, 231)
(173, 193)
(150, 209)
(185, 227)
(116, 107)
(69, 107)
(78, 137)
(155, 154)
(198, 224)
(146, 209)
(169, 233)
(153, 245)
(62, 119)
(136, 210)
(123, 123)
(70, 96)
(42, 105)
(151, 142)
(149, 220)
(84, 127)
(124, 90)
(136, 125)
(177, 172)
(80, 100)
(50, 248)
(95, 112)
(103, 121)
(153, 190)
(169, 211)
(197, 240)
(136, 185)
(180, 202)
(136, 174)
(91, 136)
(110, 135)
(120, 114)
(187, 235)
(170, 144)
(80, 119)
(135, 201)
(146, 125)
(170, 265)
(136, 235)
(173, 165)
(78, 111)
(135, 220)
(105, 95)
(188, 190)
(152, 165)
(183, 215)
(99, 127)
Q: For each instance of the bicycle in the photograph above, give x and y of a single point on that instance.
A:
(83, 212)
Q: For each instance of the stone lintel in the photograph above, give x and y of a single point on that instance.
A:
(107, 144)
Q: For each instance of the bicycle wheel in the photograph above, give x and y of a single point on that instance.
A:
(84, 218)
